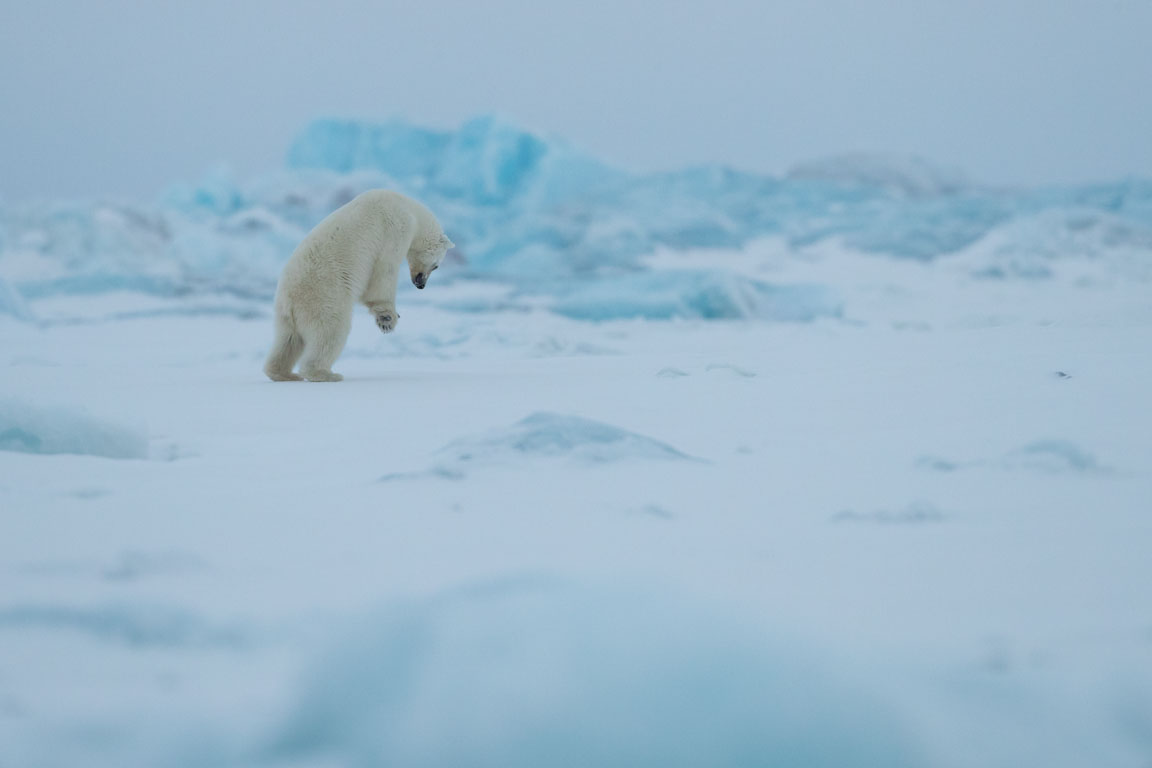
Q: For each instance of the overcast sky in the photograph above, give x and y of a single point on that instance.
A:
(118, 99)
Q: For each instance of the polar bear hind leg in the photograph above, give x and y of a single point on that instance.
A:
(323, 342)
(286, 350)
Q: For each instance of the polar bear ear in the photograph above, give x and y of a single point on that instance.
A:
(446, 242)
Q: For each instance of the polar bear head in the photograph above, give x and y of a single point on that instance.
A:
(424, 258)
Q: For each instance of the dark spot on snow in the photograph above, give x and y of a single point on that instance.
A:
(998, 656)
(89, 493)
(652, 510)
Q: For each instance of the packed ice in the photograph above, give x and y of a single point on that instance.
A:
(538, 215)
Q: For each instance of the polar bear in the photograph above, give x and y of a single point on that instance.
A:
(352, 255)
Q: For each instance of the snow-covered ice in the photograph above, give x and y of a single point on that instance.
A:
(31, 429)
(694, 470)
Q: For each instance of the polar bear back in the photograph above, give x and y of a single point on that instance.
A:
(334, 262)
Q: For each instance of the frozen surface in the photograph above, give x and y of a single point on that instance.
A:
(701, 468)
(911, 533)
(533, 673)
(32, 429)
(556, 436)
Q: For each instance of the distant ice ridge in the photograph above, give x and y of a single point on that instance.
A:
(909, 176)
(694, 293)
(539, 215)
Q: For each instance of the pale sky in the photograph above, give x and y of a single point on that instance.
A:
(121, 98)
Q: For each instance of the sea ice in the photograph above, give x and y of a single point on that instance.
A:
(33, 429)
(558, 435)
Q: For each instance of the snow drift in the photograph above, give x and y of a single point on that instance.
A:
(529, 673)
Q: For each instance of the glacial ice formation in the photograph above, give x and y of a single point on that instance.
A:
(544, 218)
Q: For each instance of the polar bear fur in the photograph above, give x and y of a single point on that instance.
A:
(353, 255)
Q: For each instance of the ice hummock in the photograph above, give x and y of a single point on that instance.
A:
(716, 295)
(538, 215)
(911, 176)
(546, 435)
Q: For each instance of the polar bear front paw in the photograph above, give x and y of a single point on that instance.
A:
(386, 320)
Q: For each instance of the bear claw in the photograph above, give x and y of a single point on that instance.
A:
(386, 321)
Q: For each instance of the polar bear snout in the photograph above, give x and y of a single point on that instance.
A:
(420, 279)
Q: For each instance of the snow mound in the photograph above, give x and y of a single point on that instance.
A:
(29, 429)
(526, 674)
(906, 175)
(554, 435)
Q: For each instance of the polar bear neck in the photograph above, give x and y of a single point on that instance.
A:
(427, 232)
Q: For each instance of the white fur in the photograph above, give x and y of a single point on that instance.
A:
(353, 255)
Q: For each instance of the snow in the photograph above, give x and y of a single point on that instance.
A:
(584, 676)
(554, 435)
(29, 428)
(682, 474)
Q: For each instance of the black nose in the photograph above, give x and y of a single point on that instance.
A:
(420, 280)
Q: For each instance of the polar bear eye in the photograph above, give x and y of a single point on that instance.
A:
(436, 267)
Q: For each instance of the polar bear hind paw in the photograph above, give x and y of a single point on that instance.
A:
(322, 376)
(282, 375)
